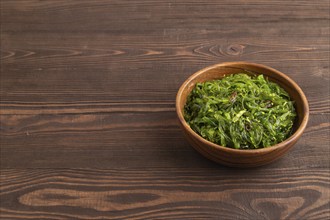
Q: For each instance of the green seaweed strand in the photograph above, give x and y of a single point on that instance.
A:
(240, 111)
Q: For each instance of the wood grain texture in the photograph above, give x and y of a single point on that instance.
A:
(88, 128)
(165, 194)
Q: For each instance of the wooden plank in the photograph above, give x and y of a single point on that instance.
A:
(100, 87)
(137, 16)
(165, 194)
(147, 139)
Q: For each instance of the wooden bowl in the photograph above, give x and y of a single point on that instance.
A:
(238, 157)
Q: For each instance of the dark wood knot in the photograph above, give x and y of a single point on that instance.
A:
(235, 49)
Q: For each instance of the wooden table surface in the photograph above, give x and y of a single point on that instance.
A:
(88, 122)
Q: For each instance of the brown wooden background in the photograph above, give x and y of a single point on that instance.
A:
(88, 123)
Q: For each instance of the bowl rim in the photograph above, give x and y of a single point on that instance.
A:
(277, 146)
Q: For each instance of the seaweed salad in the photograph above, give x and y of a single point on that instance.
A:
(240, 111)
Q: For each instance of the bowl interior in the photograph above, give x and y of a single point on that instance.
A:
(221, 70)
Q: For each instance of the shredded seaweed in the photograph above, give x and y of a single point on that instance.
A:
(240, 111)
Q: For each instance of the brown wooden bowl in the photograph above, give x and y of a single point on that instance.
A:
(238, 157)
